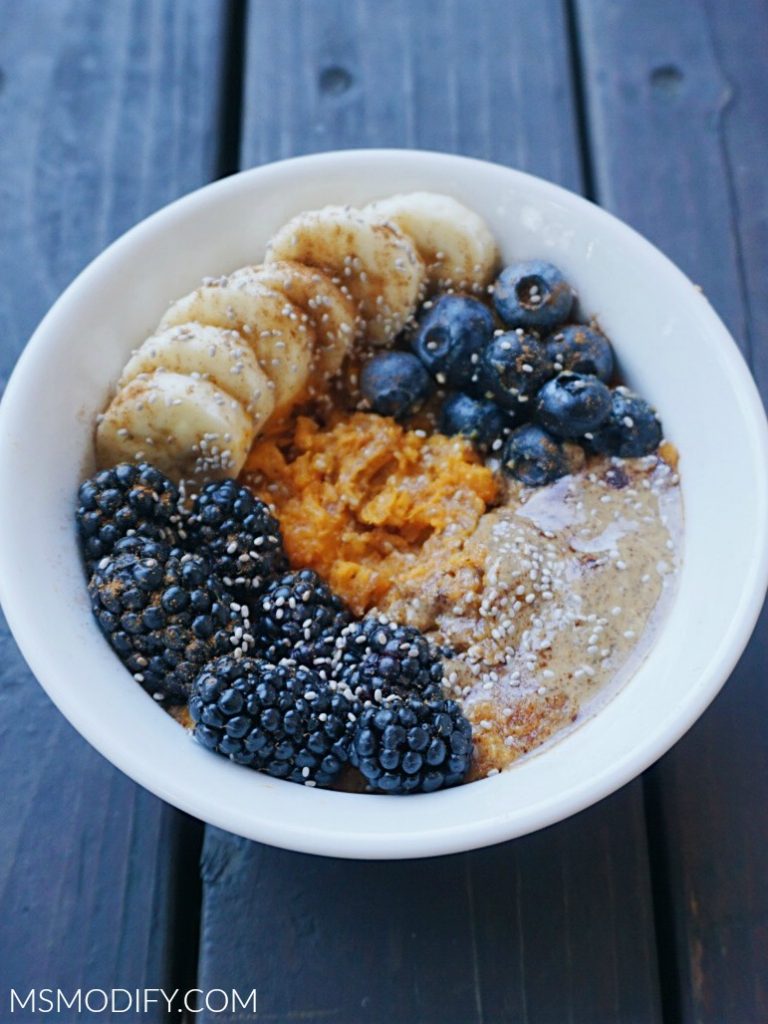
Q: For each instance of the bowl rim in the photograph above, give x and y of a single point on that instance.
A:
(452, 837)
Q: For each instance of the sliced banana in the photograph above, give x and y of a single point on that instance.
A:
(374, 260)
(208, 353)
(454, 242)
(330, 307)
(280, 334)
(188, 428)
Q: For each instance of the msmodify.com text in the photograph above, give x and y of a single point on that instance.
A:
(114, 1001)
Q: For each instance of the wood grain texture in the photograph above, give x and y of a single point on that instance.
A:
(441, 74)
(678, 106)
(552, 928)
(107, 111)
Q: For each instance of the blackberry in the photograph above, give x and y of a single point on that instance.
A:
(121, 501)
(238, 533)
(375, 659)
(165, 614)
(281, 719)
(299, 617)
(411, 745)
(145, 547)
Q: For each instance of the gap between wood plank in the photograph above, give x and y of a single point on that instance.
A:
(578, 86)
(663, 903)
(233, 65)
(187, 907)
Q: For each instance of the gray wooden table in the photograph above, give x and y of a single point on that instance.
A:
(649, 907)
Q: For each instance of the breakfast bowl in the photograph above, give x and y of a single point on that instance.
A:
(672, 347)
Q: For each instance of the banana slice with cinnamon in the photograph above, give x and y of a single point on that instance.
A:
(280, 334)
(454, 242)
(217, 354)
(374, 260)
(330, 307)
(189, 428)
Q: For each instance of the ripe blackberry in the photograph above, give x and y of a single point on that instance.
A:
(121, 501)
(165, 614)
(281, 719)
(410, 745)
(145, 547)
(238, 533)
(299, 617)
(375, 658)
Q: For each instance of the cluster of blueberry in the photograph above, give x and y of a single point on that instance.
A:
(199, 605)
(520, 389)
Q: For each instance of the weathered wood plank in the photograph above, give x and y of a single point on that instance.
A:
(488, 80)
(678, 106)
(107, 111)
(553, 927)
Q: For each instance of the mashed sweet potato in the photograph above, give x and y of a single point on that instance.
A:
(366, 503)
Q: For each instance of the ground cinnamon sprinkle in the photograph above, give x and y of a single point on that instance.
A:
(502, 735)
(359, 500)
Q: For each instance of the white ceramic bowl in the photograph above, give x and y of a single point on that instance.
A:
(672, 347)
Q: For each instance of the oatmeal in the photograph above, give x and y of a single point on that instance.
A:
(366, 502)
(556, 601)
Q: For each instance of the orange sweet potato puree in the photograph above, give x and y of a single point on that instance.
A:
(366, 503)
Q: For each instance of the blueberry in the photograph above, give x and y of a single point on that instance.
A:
(632, 428)
(450, 336)
(395, 383)
(582, 349)
(478, 419)
(513, 366)
(533, 295)
(573, 404)
(533, 456)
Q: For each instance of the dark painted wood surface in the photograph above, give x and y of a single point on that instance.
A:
(107, 111)
(678, 113)
(554, 927)
(513, 933)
